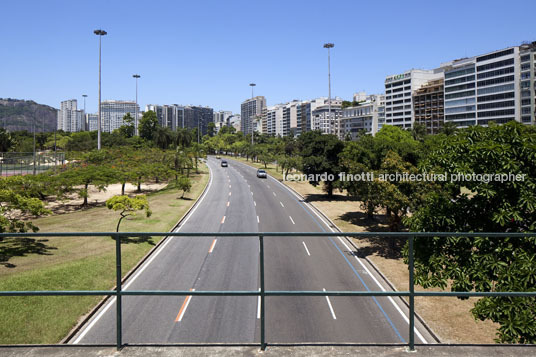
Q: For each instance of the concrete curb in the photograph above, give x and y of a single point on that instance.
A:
(105, 299)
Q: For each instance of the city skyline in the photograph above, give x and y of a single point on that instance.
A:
(210, 56)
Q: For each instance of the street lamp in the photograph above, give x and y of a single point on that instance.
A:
(328, 46)
(136, 118)
(85, 123)
(99, 33)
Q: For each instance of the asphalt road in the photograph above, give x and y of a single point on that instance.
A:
(237, 201)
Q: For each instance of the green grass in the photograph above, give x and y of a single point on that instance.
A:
(78, 263)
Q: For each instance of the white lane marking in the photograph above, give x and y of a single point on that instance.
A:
(257, 219)
(330, 307)
(282, 204)
(361, 263)
(228, 203)
(274, 193)
(223, 220)
(291, 220)
(252, 193)
(307, 250)
(147, 263)
(254, 203)
(229, 186)
(268, 186)
(259, 306)
(188, 299)
(383, 289)
(229, 193)
(212, 246)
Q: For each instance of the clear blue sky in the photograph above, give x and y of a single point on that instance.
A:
(206, 53)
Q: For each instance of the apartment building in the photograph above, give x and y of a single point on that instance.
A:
(69, 118)
(251, 109)
(428, 104)
(92, 120)
(483, 89)
(398, 95)
(362, 118)
(527, 84)
(113, 111)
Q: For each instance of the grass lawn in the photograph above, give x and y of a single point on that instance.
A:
(449, 318)
(71, 263)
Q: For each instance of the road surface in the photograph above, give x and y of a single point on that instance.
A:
(237, 201)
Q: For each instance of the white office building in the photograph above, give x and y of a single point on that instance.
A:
(483, 89)
(69, 117)
(113, 111)
(398, 93)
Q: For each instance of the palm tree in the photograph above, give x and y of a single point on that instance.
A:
(162, 137)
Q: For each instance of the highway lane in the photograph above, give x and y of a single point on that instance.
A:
(237, 201)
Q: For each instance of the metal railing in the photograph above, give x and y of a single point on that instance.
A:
(29, 163)
(118, 292)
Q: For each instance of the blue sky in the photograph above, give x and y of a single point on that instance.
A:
(207, 52)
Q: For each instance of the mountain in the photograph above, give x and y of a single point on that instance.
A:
(16, 114)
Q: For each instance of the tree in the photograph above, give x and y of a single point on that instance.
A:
(211, 129)
(184, 184)
(148, 124)
(127, 129)
(162, 137)
(481, 264)
(12, 204)
(320, 153)
(6, 141)
(418, 132)
(183, 137)
(128, 206)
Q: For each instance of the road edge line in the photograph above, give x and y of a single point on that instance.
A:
(78, 327)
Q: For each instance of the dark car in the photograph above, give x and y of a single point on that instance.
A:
(223, 163)
(261, 173)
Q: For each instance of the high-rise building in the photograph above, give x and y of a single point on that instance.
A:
(251, 109)
(428, 104)
(69, 117)
(483, 89)
(92, 120)
(527, 85)
(398, 92)
(221, 119)
(113, 111)
(320, 118)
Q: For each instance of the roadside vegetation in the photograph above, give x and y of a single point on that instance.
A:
(38, 203)
(480, 201)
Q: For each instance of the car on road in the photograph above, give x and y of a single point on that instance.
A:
(223, 163)
(218, 157)
(261, 173)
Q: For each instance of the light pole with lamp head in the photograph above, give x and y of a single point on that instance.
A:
(328, 46)
(136, 118)
(99, 33)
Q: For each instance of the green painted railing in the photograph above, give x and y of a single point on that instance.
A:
(411, 293)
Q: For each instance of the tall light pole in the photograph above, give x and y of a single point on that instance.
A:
(136, 118)
(328, 46)
(85, 124)
(252, 85)
(99, 33)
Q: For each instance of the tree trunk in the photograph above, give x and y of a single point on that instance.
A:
(87, 194)
(139, 184)
(123, 188)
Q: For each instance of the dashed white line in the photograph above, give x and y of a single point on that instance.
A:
(330, 307)
(307, 250)
(212, 246)
(291, 219)
(184, 307)
(274, 193)
(282, 205)
(229, 193)
(223, 220)
(228, 203)
(254, 203)
(257, 219)
(229, 186)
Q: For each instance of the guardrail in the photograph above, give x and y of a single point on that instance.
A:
(119, 292)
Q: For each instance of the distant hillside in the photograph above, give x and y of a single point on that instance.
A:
(16, 114)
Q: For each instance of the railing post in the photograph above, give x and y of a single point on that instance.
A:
(411, 297)
(261, 264)
(119, 312)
